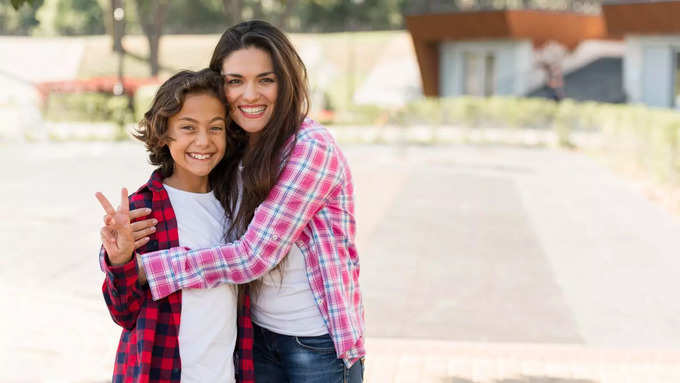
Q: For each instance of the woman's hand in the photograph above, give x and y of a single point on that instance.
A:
(117, 235)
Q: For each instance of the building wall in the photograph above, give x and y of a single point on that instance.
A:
(513, 61)
(649, 69)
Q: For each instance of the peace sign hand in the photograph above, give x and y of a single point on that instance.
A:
(117, 235)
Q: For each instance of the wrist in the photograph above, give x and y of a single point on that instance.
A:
(117, 261)
(141, 274)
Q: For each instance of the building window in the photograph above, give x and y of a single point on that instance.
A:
(479, 74)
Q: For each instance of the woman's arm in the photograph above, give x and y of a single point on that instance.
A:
(312, 172)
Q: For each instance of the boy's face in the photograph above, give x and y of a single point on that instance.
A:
(198, 137)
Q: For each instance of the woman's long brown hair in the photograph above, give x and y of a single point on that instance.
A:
(265, 159)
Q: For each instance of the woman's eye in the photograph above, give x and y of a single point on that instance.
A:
(268, 80)
(217, 128)
(187, 127)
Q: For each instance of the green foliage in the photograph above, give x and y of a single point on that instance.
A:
(77, 107)
(70, 17)
(143, 99)
(87, 107)
(16, 4)
(197, 16)
(343, 15)
(647, 138)
(86, 17)
(359, 115)
(19, 20)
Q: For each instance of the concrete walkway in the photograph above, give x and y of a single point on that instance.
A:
(479, 264)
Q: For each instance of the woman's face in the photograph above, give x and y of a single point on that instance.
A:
(251, 87)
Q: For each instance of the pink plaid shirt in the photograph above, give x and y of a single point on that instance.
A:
(312, 206)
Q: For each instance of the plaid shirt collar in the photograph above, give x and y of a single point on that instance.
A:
(155, 182)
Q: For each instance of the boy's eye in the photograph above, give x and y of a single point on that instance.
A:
(233, 81)
(267, 80)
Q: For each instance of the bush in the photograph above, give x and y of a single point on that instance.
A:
(90, 107)
(143, 99)
(87, 107)
(648, 137)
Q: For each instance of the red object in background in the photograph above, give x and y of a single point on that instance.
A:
(95, 84)
(324, 116)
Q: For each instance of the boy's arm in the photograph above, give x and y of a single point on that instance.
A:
(122, 291)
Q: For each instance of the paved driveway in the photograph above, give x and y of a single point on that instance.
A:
(461, 244)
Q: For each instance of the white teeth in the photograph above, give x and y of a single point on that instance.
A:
(200, 156)
(257, 110)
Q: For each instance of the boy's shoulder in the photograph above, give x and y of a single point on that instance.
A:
(143, 197)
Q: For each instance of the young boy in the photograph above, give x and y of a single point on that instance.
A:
(190, 335)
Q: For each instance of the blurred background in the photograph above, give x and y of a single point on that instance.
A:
(517, 170)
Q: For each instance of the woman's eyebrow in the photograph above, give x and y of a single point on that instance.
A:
(241, 76)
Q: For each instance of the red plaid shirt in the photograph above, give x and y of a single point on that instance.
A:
(148, 350)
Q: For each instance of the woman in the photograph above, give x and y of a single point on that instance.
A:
(290, 198)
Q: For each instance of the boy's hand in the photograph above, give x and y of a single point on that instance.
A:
(141, 230)
(117, 236)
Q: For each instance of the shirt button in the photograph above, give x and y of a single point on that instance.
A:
(275, 237)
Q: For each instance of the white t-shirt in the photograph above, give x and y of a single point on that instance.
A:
(207, 331)
(286, 305)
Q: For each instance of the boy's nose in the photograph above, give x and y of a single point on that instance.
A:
(201, 139)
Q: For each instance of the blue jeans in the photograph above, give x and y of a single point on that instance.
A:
(297, 359)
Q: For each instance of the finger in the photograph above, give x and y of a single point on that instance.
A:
(107, 235)
(105, 203)
(124, 203)
(142, 225)
(137, 213)
(143, 233)
(108, 219)
(141, 242)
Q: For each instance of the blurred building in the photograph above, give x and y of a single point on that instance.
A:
(627, 52)
(651, 34)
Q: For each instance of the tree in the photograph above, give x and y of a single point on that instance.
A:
(284, 17)
(18, 21)
(116, 28)
(18, 3)
(233, 10)
(151, 14)
(70, 17)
